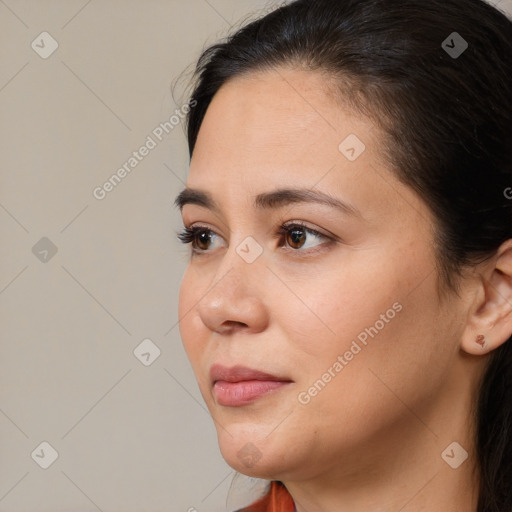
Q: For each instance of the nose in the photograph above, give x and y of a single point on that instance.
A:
(235, 299)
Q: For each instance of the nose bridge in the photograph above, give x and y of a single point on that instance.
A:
(243, 259)
(239, 274)
(236, 294)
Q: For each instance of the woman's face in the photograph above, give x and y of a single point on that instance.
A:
(348, 320)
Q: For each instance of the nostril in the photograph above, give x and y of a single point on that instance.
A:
(231, 325)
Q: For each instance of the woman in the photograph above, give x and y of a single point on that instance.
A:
(347, 307)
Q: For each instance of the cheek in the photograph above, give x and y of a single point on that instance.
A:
(386, 305)
(190, 326)
(340, 304)
(377, 335)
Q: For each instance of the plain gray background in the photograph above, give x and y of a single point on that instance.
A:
(132, 433)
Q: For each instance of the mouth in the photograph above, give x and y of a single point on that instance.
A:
(238, 385)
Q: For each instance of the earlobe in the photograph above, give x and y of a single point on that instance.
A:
(480, 339)
(490, 322)
(477, 345)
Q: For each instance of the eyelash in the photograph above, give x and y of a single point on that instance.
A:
(189, 235)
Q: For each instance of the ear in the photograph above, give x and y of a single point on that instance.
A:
(489, 323)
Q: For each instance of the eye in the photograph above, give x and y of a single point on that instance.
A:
(198, 237)
(295, 234)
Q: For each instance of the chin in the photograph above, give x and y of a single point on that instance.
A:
(265, 468)
(251, 457)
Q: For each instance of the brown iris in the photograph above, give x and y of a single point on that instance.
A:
(296, 235)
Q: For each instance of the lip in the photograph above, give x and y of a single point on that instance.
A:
(239, 385)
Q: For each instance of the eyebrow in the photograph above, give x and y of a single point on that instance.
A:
(268, 200)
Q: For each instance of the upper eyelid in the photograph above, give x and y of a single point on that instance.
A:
(315, 231)
(284, 225)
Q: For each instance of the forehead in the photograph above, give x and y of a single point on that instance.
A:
(282, 120)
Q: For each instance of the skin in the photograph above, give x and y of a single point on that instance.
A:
(373, 437)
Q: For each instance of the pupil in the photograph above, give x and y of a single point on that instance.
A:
(203, 238)
(297, 235)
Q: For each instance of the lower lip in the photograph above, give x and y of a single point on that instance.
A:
(236, 394)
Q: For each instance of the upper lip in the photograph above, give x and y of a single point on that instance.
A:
(240, 373)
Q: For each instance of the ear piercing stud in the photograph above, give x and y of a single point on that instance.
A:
(480, 339)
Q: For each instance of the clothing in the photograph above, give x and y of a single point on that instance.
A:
(277, 499)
